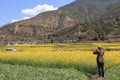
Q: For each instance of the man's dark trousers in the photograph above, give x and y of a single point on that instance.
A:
(100, 68)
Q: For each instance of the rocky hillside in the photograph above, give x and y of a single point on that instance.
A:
(86, 20)
(37, 27)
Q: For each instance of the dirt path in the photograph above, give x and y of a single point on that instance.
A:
(95, 77)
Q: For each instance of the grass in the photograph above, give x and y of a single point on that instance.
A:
(113, 73)
(22, 72)
(17, 72)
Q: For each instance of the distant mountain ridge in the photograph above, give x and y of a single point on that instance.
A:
(82, 20)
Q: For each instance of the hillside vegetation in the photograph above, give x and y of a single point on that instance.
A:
(86, 20)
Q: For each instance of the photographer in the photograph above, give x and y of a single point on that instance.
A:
(100, 60)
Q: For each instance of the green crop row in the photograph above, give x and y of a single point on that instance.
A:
(18, 72)
(113, 73)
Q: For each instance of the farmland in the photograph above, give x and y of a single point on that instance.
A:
(17, 72)
(73, 59)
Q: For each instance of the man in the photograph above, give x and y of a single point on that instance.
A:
(100, 60)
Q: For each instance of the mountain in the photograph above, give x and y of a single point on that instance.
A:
(37, 27)
(85, 20)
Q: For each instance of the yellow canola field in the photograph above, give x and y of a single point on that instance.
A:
(63, 56)
(66, 57)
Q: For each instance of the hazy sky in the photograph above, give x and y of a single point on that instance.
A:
(13, 10)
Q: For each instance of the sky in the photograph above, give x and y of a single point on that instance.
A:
(15, 10)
